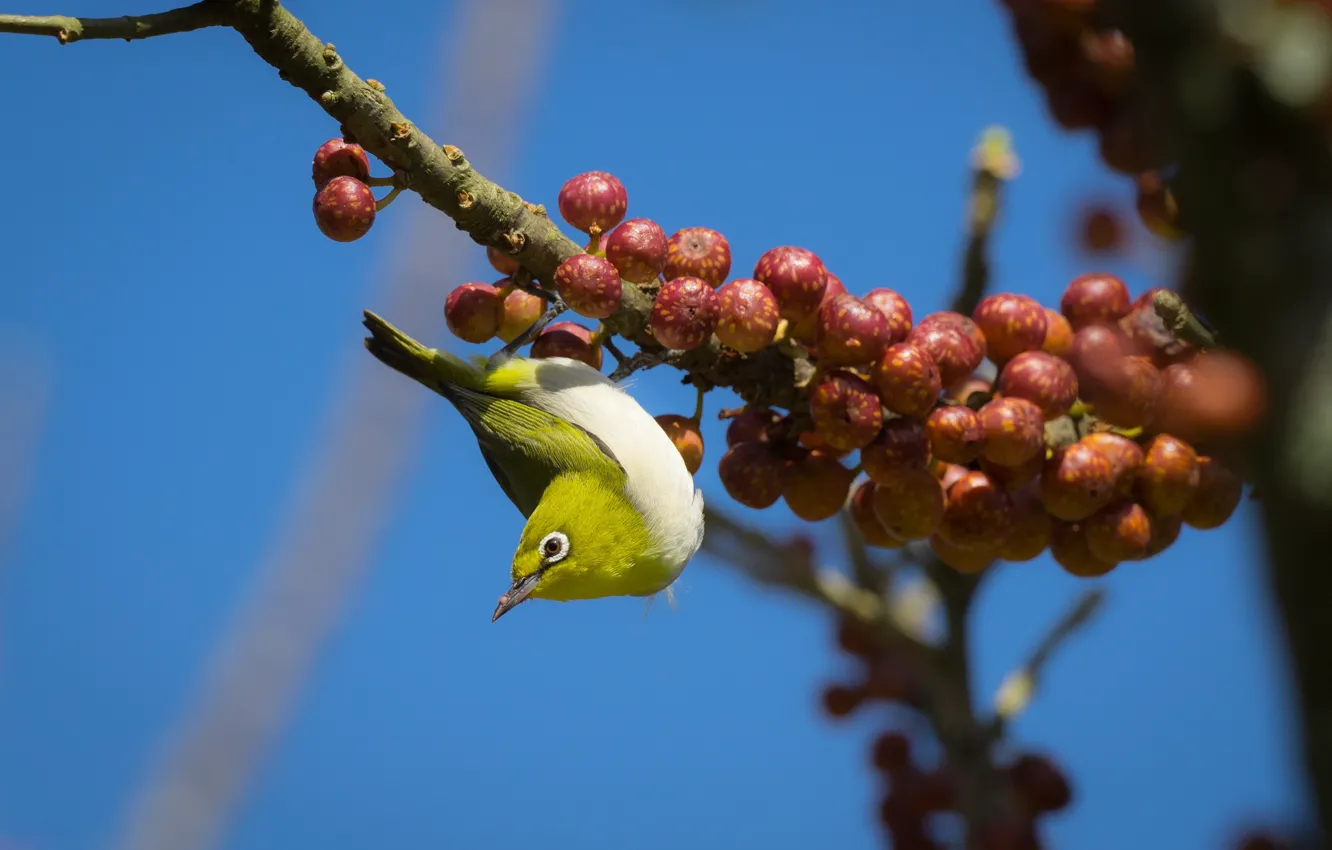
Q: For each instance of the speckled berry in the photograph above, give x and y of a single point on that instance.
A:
(1125, 456)
(958, 322)
(850, 332)
(1014, 477)
(637, 249)
(1030, 528)
(685, 313)
(567, 339)
(955, 433)
(953, 352)
(900, 445)
(846, 411)
(805, 329)
(501, 262)
(1169, 475)
(861, 508)
(1119, 532)
(344, 209)
(339, 158)
(748, 315)
(1127, 394)
(907, 380)
(752, 475)
(751, 426)
(474, 312)
(1011, 323)
(977, 513)
(686, 437)
(911, 507)
(698, 252)
(521, 310)
(1058, 334)
(1076, 482)
(965, 561)
(593, 200)
(895, 308)
(590, 285)
(1094, 299)
(817, 486)
(1095, 351)
(1068, 547)
(1014, 431)
(1042, 378)
(1218, 495)
(796, 277)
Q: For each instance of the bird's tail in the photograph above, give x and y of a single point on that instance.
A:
(432, 367)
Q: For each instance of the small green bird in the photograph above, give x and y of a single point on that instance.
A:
(611, 509)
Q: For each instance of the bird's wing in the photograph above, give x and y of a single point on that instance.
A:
(526, 448)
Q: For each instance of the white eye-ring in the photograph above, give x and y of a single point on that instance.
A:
(554, 547)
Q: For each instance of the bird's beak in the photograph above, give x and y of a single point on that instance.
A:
(522, 588)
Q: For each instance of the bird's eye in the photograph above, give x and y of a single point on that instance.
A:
(554, 547)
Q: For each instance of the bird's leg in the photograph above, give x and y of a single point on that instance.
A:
(556, 308)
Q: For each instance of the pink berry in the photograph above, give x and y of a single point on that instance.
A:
(698, 252)
(521, 310)
(590, 286)
(339, 158)
(637, 249)
(907, 380)
(959, 323)
(850, 332)
(1014, 431)
(797, 278)
(1011, 323)
(474, 312)
(1041, 378)
(685, 313)
(593, 200)
(954, 352)
(846, 411)
(566, 339)
(748, 313)
(1095, 299)
(344, 209)
(500, 261)
(896, 309)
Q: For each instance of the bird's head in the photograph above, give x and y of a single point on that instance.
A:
(581, 542)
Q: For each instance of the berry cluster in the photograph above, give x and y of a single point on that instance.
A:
(915, 791)
(1086, 443)
(344, 206)
(1087, 72)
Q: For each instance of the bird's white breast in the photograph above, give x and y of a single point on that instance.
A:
(659, 485)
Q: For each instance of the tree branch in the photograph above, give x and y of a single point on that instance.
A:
(1015, 694)
(207, 13)
(993, 163)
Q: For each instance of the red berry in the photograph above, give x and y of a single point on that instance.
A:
(846, 412)
(840, 700)
(817, 486)
(1165, 531)
(637, 249)
(900, 445)
(892, 752)
(907, 380)
(1068, 547)
(1014, 431)
(959, 323)
(850, 332)
(698, 252)
(805, 329)
(1220, 394)
(1014, 477)
(1039, 783)
(688, 440)
(1101, 230)
(1094, 299)
(521, 310)
(752, 474)
(1011, 323)
(340, 158)
(749, 317)
(593, 200)
(1120, 532)
(955, 433)
(1218, 495)
(1058, 334)
(977, 513)
(1169, 475)
(1077, 481)
(948, 473)
(566, 339)
(911, 507)
(973, 392)
(685, 313)
(796, 277)
(751, 426)
(1041, 378)
(1095, 351)
(500, 261)
(861, 508)
(1111, 57)
(344, 209)
(474, 311)
(965, 561)
(895, 308)
(590, 286)
(953, 351)
(1031, 527)
(1127, 394)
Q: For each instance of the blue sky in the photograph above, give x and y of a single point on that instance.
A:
(194, 329)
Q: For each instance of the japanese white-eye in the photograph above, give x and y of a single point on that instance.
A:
(611, 509)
